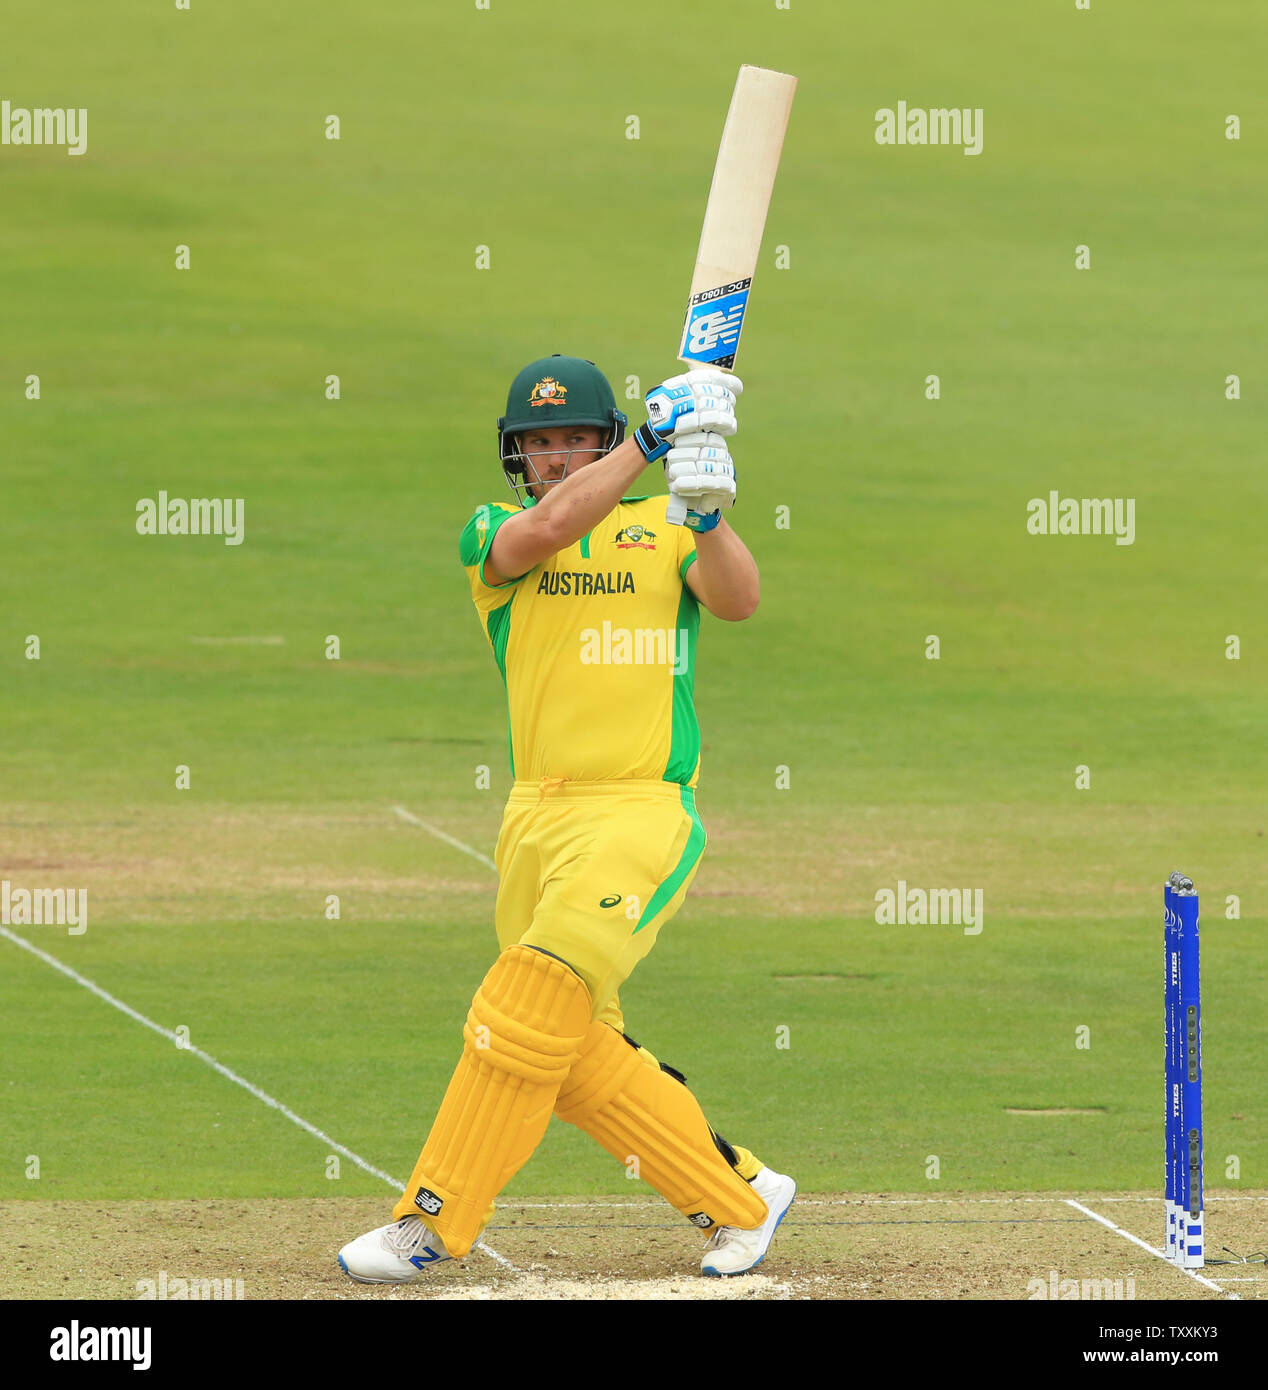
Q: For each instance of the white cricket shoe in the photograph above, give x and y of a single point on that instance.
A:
(732, 1249)
(393, 1254)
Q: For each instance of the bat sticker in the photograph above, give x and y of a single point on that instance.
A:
(714, 320)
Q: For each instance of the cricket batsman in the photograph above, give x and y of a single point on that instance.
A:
(590, 601)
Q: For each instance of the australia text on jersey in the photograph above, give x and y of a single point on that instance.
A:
(580, 583)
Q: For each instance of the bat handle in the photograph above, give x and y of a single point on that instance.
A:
(676, 512)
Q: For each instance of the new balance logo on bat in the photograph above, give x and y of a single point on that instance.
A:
(715, 330)
(714, 322)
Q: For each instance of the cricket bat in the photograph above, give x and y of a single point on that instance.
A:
(734, 220)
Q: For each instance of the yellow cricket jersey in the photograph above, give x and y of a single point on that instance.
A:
(597, 647)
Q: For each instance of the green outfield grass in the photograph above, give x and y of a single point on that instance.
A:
(506, 129)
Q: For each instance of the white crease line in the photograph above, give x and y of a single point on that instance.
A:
(224, 1071)
(883, 1202)
(412, 819)
(501, 1259)
(1153, 1250)
(818, 1202)
(932, 1201)
(1206, 1197)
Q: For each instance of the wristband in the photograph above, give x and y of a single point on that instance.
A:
(702, 521)
(652, 445)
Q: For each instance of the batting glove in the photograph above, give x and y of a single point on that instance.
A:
(701, 476)
(701, 399)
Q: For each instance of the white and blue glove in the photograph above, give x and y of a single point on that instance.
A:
(701, 399)
(701, 477)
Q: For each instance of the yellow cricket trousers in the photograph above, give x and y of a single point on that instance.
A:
(590, 871)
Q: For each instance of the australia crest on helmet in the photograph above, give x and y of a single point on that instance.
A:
(548, 391)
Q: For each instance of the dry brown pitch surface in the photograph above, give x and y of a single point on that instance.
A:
(831, 1246)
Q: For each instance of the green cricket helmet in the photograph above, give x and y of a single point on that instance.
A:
(553, 391)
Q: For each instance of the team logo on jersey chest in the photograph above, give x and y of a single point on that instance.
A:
(635, 538)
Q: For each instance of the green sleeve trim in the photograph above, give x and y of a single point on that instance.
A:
(477, 539)
(685, 566)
